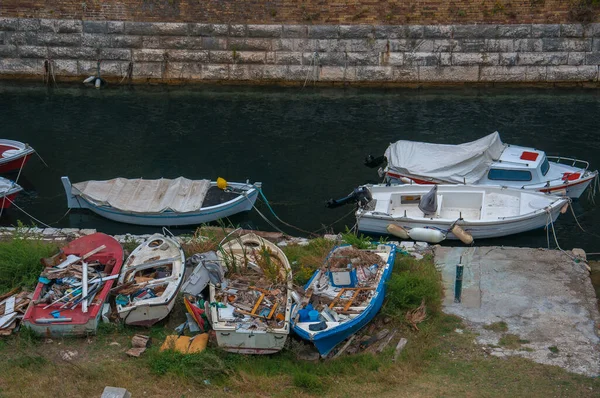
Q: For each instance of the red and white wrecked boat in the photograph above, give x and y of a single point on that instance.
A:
(13, 155)
(486, 161)
(68, 301)
(8, 192)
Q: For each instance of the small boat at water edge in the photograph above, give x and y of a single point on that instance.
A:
(13, 155)
(8, 192)
(486, 161)
(433, 212)
(162, 202)
(150, 281)
(253, 303)
(344, 295)
(60, 305)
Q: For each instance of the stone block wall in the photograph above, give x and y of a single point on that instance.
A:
(386, 54)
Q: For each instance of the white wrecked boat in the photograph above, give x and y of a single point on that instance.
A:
(250, 310)
(434, 213)
(150, 280)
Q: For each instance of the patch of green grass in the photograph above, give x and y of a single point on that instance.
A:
(358, 241)
(207, 365)
(553, 349)
(28, 336)
(304, 260)
(511, 341)
(27, 361)
(20, 264)
(308, 382)
(497, 327)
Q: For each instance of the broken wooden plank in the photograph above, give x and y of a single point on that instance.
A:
(386, 342)
(399, 347)
(380, 335)
(341, 351)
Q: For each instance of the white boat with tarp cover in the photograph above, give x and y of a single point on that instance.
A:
(486, 161)
(162, 202)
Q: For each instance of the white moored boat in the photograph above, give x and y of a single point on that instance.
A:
(150, 280)
(162, 202)
(486, 161)
(438, 212)
(251, 310)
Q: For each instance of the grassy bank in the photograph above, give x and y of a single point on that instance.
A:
(440, 359)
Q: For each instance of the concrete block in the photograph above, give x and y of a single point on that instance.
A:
(115, 27)
(151, 41)
(8, 51)
(374, 73)
(330, 73)
(188, 56)
(561, 44)
(592, 58)
(445, 45)
(522, 31)
(571, 30)
(20, 38)
(221, 57)
(249, 44)
(323, 31)
(475, 31)
(572, 73)
(125, 41)
(213, 43)
(208, 29)
(356, 32)
(239, 72)
(335, 45)
(445, 59)
(270, 57)
(123, 54)
(592, 30)
(472, 45)
(238, 31)
(395, 59)
(297, 44)
(390, 31)
(541, 58)
(415, 32)
(448, 73)
(115, 392)
(95, 26)
(576, 58)
(363, 58)
(68, 26)
(215, 72)
(405, 74)
(47, 25)
(410, 45)
(148, 55)
(326, 59)
(545, 30)
(274, 72)
(298, 72)
(99, 40)
(33, 52)
(64, 67)
(264, 30)
(512, 74)
(73, 52)
(438, 31)
(250, 57)
(59, 39)
(184, 70)
(181, 42)
(26, 25)
(529, 45)
(596, 44)
(463, 59)
(156, 28)
(295, 31)
(151, 70)
(508, 59)
(1, 38)
(421, 59)
(24, 65)
(9, 24)
(288, 58)
(499, 45)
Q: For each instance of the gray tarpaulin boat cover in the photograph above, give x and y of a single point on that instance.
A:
(466, 162)
(146, 196)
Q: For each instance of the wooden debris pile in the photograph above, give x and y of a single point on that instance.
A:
(12, 309)
(141, 285)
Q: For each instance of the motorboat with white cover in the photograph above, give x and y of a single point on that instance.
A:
(480, 211)
(252, 306)
(486, 161)
(150, 280)
(161, 202)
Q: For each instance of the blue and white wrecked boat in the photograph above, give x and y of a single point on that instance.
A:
(344, 295)
(162, 202)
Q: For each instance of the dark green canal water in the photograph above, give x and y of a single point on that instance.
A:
(305, 145)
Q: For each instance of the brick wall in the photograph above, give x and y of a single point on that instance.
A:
(392, 12)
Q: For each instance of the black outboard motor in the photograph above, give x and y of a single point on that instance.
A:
(360, 195)
(373, 162)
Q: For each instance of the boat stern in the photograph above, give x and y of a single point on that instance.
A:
(72, 202)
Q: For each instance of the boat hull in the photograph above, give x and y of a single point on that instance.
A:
(18, 160)
(146, 315)
(250, 342)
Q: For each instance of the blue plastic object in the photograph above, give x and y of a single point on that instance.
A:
(304, 313)
(315, 327)
(44, 280)
(313, 316)
(55, 314)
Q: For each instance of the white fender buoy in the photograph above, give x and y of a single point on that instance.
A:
(397, 231)
(461, 234)
(564, 209)
(89, 79)
(426, 235)
(98, 83)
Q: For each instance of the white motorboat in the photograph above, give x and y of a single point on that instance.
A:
(433, 213)
(486, 161)
(150, 280)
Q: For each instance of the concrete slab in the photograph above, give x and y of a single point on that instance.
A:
(544, 297)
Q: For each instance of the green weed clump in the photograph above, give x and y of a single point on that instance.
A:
(20, 261)
(358, 241)
(304, 260)
(308, 382)
(207, 365)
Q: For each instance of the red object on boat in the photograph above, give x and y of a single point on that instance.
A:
(81, 323)
(531, 156)
(571, 176)
(13, 155)
(8, 192)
